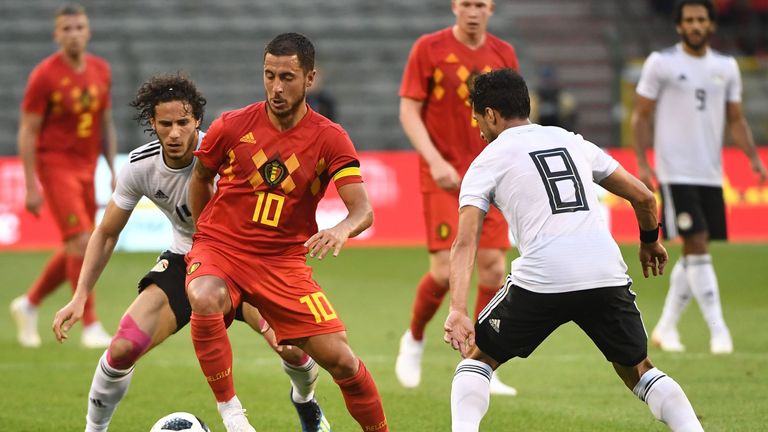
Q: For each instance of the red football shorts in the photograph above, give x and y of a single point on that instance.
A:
(281, 288)
(441, 216)
(71, 197)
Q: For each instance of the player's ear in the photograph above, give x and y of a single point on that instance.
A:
(311, 77)
(490, 114)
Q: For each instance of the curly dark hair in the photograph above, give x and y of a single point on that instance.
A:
(166, 88)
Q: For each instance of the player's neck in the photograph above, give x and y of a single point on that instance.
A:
(504, 124)
(75, 61)
(514, 122)
(470, 40)
(284, 123)
(695, 52)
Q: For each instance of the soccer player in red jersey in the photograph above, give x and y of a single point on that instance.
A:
(437, 118)
(275, 160)
(66, 122)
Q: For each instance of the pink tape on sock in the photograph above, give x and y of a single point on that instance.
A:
(139, 343)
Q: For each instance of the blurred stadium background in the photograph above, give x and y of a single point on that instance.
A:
(592, 48)
(362, 46)
(596, 48)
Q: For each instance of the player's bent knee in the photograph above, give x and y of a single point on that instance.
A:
(479, 355)
(631, 374)
(119, 352)
(491, 269)
(127, 345)
(77, 244)
(340, 364)
(345, 368)
(491, 277)
(440, 274)
(293, 355)
(207, 296)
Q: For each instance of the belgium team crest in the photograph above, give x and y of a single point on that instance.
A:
(273, 172)
(193, 267)
(443, 231)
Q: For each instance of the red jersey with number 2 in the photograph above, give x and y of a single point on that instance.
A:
(271, 181)
(439, 72)
(72, 105)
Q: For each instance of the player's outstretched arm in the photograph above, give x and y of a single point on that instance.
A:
(29, 129)
(653, 256)
(200, 188)
(742, 138)
(444, 174)
(459, 328)
(642, 137)
(97, 254)
(359, 218)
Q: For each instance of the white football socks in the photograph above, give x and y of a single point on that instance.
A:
(703, 283)
(678, 296)
(470, 395)
(108, 388)
(667, 401)
(303, 379)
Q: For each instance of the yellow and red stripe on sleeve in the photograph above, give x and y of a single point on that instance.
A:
(349, 173)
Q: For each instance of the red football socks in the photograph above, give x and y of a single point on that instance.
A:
(214, 352)
(429, 296)
(484, 295)
(363, 400)
(53, 275)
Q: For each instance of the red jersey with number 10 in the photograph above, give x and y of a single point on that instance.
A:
(271, 181)
(72, 105)
(439, 72)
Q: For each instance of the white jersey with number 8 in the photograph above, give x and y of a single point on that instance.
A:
(540, 178)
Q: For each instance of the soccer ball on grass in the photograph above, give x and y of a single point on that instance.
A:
(180, 421)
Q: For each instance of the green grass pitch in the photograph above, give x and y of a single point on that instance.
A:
(565, 385)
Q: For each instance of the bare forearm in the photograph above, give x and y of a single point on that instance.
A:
(416, 131)
(97, 254)
(357, 221)
(642, 136)
(645, 212)
(627, 186)
(462, 265)
(26, 144)
(360, 213)
(742, 137)
(200, 192)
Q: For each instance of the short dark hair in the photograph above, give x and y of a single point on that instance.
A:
(288, 44)
(69, 9)
(166, 88)
(677, 15)
(503, 90)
